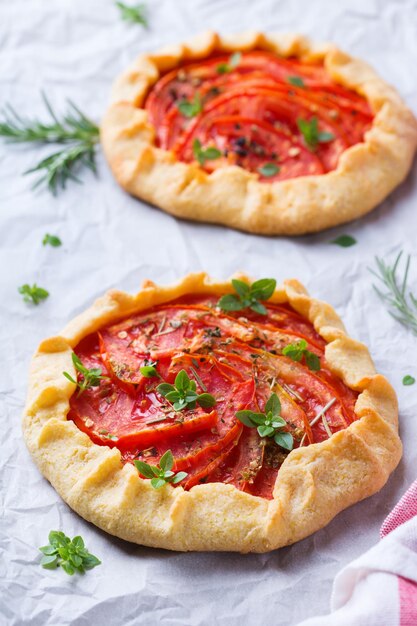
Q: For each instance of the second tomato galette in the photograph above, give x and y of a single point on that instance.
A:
(210, 416)
(266, 133)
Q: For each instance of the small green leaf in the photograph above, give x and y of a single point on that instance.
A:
(48, 550)
(295, 351)
(297, 81)
(50, 562)
(235, 59)
(149, 371)
(230, 302)
(165, 388)
(233, 62)
(285, 440)
(76, 560)
(57, 538)
(68, 568)
(134, 14)
(265, 431)
(268, 170)
(263, 289)
(182, 382)
(312, 361)
(408, 380)
(258, 419)
(144, 468)
(246, 418)
(273, 405)
(325, 137)
(211, 153)
(157, 483)
(259, 308)
(167, 461)
(223, 68)
(78, 542)
(206, 400)
(241, 288)
(90, 561)
(51, 240)
(344, 241)
(179, 477)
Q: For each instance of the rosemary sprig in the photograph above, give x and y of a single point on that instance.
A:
(401, 303)
(134, 14)
(74, 130)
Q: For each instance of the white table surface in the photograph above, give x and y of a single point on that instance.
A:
(73, 49)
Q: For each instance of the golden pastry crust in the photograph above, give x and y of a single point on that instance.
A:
(366, 173)
(313, 484)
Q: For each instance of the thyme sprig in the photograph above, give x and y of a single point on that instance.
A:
(311, 134)
(89, 377)
(161, 474)
(248, 296)
(70, 554)
(205, 154)
(270, 423)
(74, 130)
(298, 350)
(399, 300)
(33, 293)
(183, 393)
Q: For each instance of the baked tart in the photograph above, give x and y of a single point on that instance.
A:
(266, 133)
(210, 416)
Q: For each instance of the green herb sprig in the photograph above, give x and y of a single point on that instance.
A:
(297, 81)
(70, 554)
(135, 14)
(311, 134)
(190, 108)
(182, 394)
(32, 293)
(51, 240)
(401, 303)
(408, 380)
(202, 155)
(296, 351)
(232, 63)
(249, 296)
(79, 135)
(270, 423)
(89, 377)
(161, 474)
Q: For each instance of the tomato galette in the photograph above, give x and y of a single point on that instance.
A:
(210, 416)
(268, 134)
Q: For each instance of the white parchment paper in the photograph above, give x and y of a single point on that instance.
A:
(74, 48)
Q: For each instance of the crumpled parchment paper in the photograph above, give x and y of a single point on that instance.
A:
(74, 49)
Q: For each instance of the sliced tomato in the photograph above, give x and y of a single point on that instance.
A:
(230, 356)
(261, 89)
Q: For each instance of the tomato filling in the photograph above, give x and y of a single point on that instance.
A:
(236, 357)
(278, 117)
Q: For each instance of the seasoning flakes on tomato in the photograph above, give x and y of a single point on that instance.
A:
(280, 118)
(217, 388)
